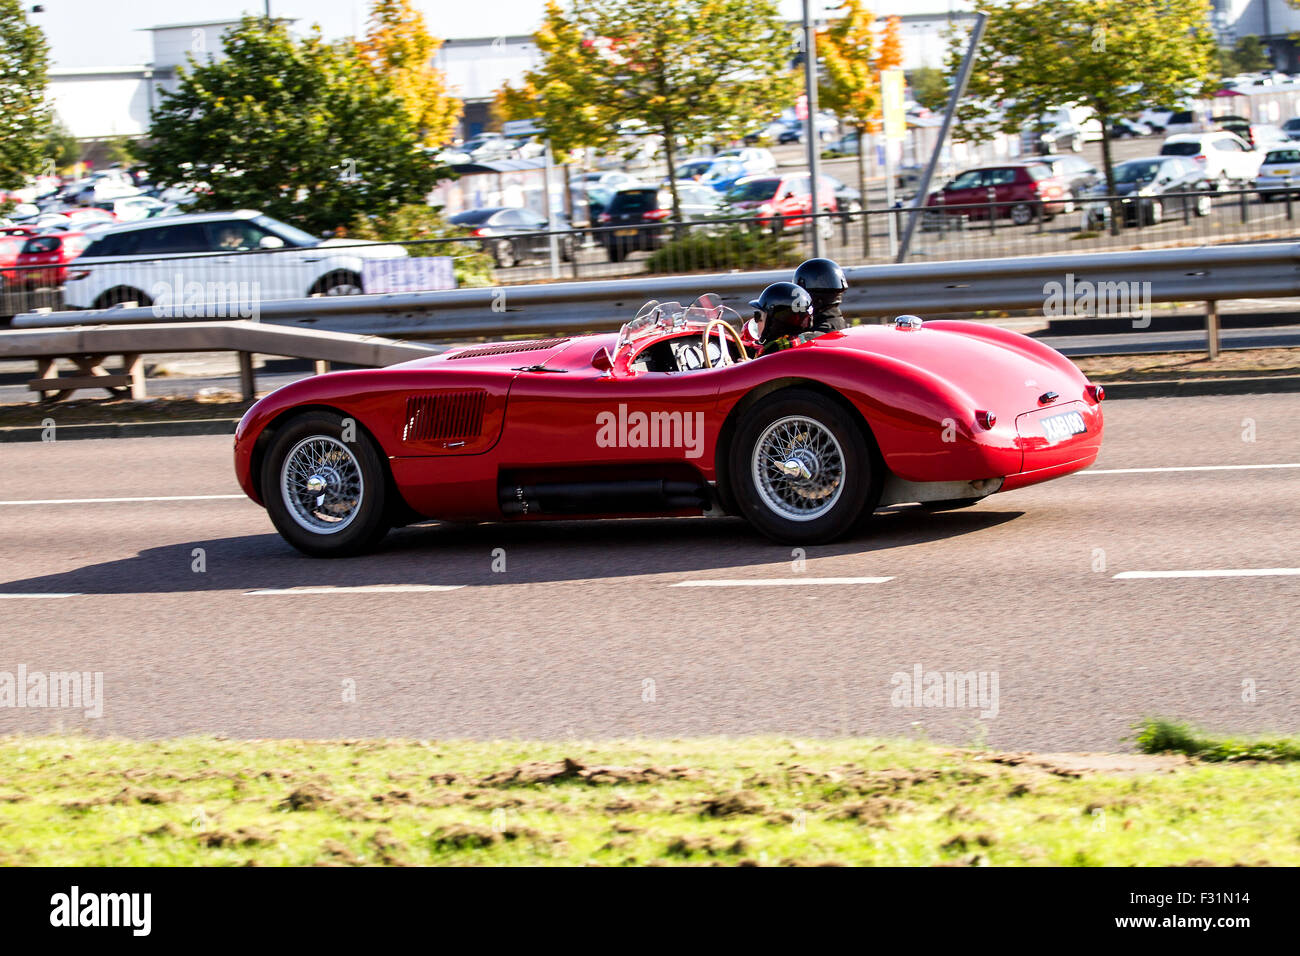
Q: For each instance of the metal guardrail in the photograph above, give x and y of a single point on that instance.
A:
(327, 328)
(89, 346)
(1207, 273)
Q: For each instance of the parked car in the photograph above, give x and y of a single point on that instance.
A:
(511, 234)
(1224, 157)
(803, 443)
(1279, 174)
(1157, 117)
(43, 260)
(718, 173)
(131, 208)
(781, 202)
(848, 201)
(1020, 191)
(1075, 171)
(756, 159)
(275, 259)
(1181, 122)
(1152, 188)
(638, 215)
(12, 240)
(1121, 128)
(846, 145)
(1292, 128)
(1066, 126)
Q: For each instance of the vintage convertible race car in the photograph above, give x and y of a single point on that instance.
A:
(670, 416)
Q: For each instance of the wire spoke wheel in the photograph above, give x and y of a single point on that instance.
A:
(798, 468)
(322, 484)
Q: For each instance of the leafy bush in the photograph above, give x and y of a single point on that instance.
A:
(735, 247)
(405, 224)
(1164, 736)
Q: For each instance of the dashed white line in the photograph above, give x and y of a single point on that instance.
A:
(362, 589)
(105, 501)
(1220, 573)
(1147, 471)
(773, 582)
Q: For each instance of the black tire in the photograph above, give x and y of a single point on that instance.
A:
(950, 504)
(338, 282)
(503, 252)
(1022, 214)
(368, 521)
(617, 252)
(119, 294)
(859, 480)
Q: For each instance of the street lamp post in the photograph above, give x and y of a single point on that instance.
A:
(810, 123)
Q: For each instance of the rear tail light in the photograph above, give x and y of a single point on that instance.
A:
(655, 215)
(478, 232)
(985, 419)
(1200, 158)
(1096, 393)
(603, 217)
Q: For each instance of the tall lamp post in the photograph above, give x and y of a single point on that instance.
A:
(810, 123)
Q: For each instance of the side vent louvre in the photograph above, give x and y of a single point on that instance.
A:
(444, 416)
(507, 348)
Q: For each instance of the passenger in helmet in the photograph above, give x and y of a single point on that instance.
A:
(782, 317)
(824, 281)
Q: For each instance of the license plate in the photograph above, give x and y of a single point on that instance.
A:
(625, 232)
(1058, 428)
(1279, 172)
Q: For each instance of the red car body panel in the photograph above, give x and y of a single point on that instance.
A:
(540, 406)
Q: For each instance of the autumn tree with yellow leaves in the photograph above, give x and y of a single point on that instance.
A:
(398, 45)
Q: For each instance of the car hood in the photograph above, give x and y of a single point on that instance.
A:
(365, 248)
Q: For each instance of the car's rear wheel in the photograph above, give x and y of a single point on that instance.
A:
(504, 253)
(338, 282)
(1022, 214)
(324, 486)
(122, 294)
(801, 469)
(617, 252)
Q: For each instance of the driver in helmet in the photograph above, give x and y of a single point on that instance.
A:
(782, 317)
(824, 281)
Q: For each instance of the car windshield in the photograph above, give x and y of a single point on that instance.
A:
(1137, 171)
(290, 234)
(656, 319)
(755, 189)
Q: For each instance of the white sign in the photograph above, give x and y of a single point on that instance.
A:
(526, 127)
(416, 274)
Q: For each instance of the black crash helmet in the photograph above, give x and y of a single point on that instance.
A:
(821, 275)
(783, 309)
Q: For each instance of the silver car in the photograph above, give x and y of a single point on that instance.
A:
(1279, 173)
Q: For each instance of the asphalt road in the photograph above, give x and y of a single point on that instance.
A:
(594, 630)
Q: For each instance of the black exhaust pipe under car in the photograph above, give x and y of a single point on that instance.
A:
(602, 497)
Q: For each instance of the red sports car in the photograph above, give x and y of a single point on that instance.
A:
(669, 417)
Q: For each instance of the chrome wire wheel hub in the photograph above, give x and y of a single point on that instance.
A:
(798, 468)
(321, 484)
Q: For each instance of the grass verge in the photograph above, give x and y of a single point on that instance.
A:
(73, 800)
(1164, 736)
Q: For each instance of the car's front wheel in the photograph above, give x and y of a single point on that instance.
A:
(324, 486)
(338, 282)
(1022, 214)
(801, 469)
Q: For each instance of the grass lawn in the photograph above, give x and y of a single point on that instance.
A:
(84, 801)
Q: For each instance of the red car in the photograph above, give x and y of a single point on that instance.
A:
(1019, 189)
(52, 252)
(781, 202)
(12, 240)
(669, 417)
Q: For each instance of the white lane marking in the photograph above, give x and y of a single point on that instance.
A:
(363, 589)
(1147, 471)
(104, 501)
(51, 594)
(1224, 573)
(773, 582)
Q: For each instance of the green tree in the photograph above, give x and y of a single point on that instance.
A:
(60, 147)
(1247, 55)
(930, 87)
(688, 70)
(300, 129)
(24, 113)
(472, 266)
(398, 45)
(121, 150)
(1111, 56)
